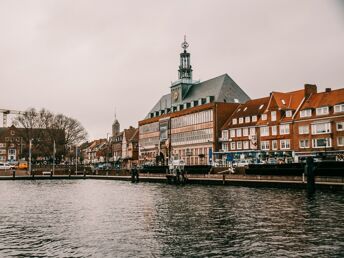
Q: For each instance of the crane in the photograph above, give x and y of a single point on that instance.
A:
(6, 112)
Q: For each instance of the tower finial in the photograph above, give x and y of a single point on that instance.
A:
(185, 45)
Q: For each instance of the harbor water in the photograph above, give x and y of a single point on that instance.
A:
(95, 218)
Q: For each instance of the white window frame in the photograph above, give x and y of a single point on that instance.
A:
(239, 145)
(320, 111)
(289, 113)
(274, 130)
(303, 129)
(252, 131)
(285, 144)
(247, 119)
(306, 113)
(339, 108)
(284, 129)
(328, 143)
(245, 132)
(265, 145)
(274, 145)
(241, 120)
(264, 117)
(340, 144)
(342, 124)
(233, 145)
(273, 115)
(232, 133)
(234, 121)
(246, 145)
(302, 143)
(238, 132)
(264, 131)
(254, 118)
(315, 130)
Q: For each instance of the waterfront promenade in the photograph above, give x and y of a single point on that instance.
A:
(323, 183)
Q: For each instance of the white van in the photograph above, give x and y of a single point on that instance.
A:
(4, 166)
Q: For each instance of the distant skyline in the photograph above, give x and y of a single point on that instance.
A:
(87, 58)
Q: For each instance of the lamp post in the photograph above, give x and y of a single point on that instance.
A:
(30, 146)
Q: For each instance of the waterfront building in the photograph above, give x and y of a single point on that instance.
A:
(129, 147)
(186, 123)
(319, 125)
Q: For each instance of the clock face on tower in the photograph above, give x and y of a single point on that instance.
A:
(175, 95)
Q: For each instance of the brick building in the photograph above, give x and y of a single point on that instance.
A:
(186, 123)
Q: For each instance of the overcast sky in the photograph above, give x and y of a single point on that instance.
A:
(84, 58)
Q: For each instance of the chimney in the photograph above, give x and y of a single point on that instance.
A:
(310, 89)
(328, 90)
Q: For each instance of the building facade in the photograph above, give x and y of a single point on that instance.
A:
(186, 123)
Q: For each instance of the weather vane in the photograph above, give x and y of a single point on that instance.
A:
(185, 45)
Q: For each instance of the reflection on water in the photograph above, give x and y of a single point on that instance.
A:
(110, 218)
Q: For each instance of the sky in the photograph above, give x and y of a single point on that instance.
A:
(86, 58)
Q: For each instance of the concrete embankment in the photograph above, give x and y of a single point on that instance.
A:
(322, 183)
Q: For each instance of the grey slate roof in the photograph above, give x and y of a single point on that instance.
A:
(223, 88)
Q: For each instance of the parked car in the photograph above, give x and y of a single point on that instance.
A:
(4, 166)
(241, 163)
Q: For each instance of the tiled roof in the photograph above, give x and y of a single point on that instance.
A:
(321, 99)
(288, 100)
(223, 88)
(249, 108)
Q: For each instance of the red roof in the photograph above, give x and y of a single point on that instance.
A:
(322, 99)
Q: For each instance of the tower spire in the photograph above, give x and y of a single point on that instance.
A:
(185, 68)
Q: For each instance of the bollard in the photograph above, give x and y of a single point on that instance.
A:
(69, 173)
(223, 178)
(309, 171)
(84, 173)
(51, 173)
(33, 173)
(14, 173)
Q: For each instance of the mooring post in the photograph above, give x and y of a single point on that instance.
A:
(14, 173)
(33, 173)
(84, 172)
(51, 173)
(223, 178)
(309, 171)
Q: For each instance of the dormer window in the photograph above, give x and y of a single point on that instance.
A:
(273, 115)
(254, 118)
(306, 113)
(288, 113)
(261, 106)
(339, 108)
(247, 119)
(264, 117)
(283, 101)
(234, 121)
(245, 108)
(241, 120)
(321, 111)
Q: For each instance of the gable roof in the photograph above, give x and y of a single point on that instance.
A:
(321, 99)
(288, 100)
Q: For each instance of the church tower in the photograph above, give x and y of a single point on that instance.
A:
(115, 127)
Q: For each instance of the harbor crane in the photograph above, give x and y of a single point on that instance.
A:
(6, 112)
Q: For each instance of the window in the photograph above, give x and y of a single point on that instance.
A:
(225, 146)
(321, 143)
(264, 131)
(288, 113)
(265, 145)
(303, 129)
(321, 111)
(232, 145)
(264, 117)
(225, 135)
(232, 133)
(284, 129)
(340, 126)
(274, 145)
(261, 106)
(254, 118)
(321, 128)
(283, 101)
(339, 108)
(247, 119)
(2, 145)
(285, 144)
(306, 113)
(234, 121)
(252, 131)
(304, 143)
(246, 145)
(340, 141)
(273, 115)
(239, 145)
(241, 120)
(274, 130)
(245, 132)
(238, 132)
